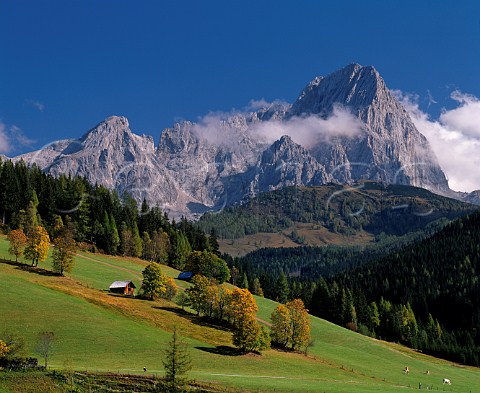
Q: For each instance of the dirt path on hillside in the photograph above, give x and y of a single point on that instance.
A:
(263, 321)
(135, 274)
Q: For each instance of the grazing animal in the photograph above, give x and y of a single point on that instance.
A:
(144, 369)
(427, 372)
(407, 370)
(446, 381)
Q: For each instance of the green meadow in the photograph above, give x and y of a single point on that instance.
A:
(96, 331)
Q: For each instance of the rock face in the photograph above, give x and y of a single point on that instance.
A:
(389, 149)
(223, 159)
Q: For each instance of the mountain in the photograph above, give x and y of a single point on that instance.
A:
(344, 127)
(359, 214)
(473, 197)
(389, 149)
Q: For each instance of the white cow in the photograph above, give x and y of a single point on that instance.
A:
(446, 381)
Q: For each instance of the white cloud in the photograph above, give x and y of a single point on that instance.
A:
(12, 137)
(454, 137)
(255, 105)
(465, 118)
(18, 136)
(36, 104)
(311, 130)
(4, 139)
(308, 131)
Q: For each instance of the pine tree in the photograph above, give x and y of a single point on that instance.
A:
(179, 250)
(283, 290)
(244, 283)
(177, 364)
(256, 287)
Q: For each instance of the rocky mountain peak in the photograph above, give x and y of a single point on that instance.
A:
(354, 86)
(222, 159)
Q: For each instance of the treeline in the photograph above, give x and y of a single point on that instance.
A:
(376, 208)
(311, 263)
(438, 276)
(425, 295)
(100, 218)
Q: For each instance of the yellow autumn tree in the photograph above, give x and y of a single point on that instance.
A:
(291, 325)
(171, 289)
(18, 241)
(248, 335)
(153, 283)
(300, 323)
(3, 349)
(38, 244)
(281, 330)
(197, 293)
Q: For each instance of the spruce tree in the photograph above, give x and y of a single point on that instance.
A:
(177, 364)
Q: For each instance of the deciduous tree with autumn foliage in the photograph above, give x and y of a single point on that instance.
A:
(154, 281)
(197, 293)
(64, 249)
(18, 241)
(3, 349)
(38, 243)
(248, 335)
(291, 325)
(281, 330)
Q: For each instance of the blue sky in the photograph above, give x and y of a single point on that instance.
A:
(66, 65)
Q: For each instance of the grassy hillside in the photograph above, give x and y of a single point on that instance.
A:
(332, 214)
(98, 331)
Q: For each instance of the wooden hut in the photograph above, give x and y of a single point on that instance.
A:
(123, 287)
(186, 276)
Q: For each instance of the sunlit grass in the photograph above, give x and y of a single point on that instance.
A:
(98, 331)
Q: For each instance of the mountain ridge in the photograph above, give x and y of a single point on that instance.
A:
(356, 130)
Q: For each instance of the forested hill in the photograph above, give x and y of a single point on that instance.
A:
(102, 219)
(440, 275)
(348, 210)
(425, 294)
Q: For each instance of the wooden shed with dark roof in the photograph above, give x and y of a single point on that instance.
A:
(123, 287)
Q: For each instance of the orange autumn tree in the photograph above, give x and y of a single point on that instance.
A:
(248, 335)
(291, 325)
(18, 241)
(300, 324)
(38, 244)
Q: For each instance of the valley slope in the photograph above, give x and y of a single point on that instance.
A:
(96, 331)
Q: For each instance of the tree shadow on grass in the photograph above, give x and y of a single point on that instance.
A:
(29, 268)
(223, 350)
(198, 320)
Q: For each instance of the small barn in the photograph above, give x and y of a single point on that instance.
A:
(186, 276)
(123, 287)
